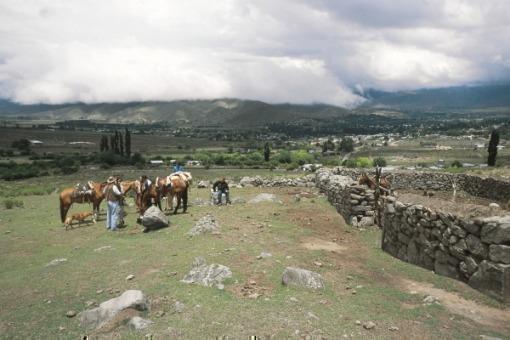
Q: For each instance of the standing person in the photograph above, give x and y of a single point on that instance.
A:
(178, 167)
(113, 197)
(220, 187)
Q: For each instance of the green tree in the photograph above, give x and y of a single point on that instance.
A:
(493, 148)
(346, 145)
(267, 152)
(127, 142)
(379, 161)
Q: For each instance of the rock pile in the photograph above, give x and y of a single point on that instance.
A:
(206, 224)
(207, 275)
(257, 181)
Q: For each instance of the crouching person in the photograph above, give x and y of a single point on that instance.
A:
(113, 197)
(219, 188)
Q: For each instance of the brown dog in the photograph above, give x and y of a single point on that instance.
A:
(80, 217)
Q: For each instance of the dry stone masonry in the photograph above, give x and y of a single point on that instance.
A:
(473, 250)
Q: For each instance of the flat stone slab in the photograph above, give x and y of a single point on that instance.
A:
(265, 197)
(99, 316)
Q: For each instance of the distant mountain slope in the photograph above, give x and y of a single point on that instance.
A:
(230, 112)
(464, 97)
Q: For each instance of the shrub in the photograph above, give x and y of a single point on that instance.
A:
(351, 163)
(363, 162)
(379, 161)
(284, 156)
(11, 203)
(456, 164)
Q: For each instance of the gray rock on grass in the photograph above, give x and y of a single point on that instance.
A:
(207, 275)
(206, 224)
(99, 316)
(265, 197)
(303, 278)
(154, 218)
(138, 323)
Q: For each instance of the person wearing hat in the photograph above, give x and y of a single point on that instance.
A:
(113, 197)
(219, 188)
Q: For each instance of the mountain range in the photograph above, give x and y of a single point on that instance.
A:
(237, 112)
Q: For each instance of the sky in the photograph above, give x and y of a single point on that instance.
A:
(57, 51)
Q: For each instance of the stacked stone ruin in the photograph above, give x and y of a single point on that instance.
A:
(476, 251)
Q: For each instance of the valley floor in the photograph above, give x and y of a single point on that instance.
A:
(362, 282)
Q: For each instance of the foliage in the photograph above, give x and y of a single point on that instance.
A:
(456, 164)
(267, 152)
(379, 161)
(346, 145)
(11, 203)
(493, 148)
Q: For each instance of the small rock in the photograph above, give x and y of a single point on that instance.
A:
(293, 299)
(130, 277)
(179, 307)
(161, 313)
(137, 322)
(99, 291)
(368, 325)
(7, 232)
(71, 314)
(358, 322)
(264, 255)
(393, 328)
(61, 328)
(90, 303)
(56, 262)
(317, 263)
(429, 299)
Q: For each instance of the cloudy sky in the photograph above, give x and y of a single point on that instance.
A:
(56, 51)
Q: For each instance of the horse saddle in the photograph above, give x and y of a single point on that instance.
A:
(83, 190)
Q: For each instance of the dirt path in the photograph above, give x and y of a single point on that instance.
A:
(482, 314)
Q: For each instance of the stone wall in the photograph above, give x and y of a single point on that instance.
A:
(474, 251)
(486, 187)
(356, 203)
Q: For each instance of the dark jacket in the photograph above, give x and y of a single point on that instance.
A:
(220, 185)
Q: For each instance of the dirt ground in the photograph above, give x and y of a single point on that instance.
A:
(462, 204)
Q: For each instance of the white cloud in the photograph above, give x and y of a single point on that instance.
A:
(276, 51)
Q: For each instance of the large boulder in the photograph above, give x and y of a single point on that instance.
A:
(206, 224)
(302, 277)
(99, 316)
(499, 253)
(207, 275)
(154, 218)
(265, 197)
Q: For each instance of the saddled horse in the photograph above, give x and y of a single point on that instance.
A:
(176, 185)
(69, 196)
(126, 186)
(384, 183)
(146, 195)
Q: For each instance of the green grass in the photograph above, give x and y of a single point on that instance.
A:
(33, 236)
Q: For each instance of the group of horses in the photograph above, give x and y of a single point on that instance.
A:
(174, 186)
(384, 183)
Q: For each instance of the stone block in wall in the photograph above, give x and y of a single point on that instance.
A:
(446, 269)
(366, 221)
(499, 253)
(361, 208)
(471, 228)
(403, 238)
(492, 279)
(459, 231)
(476, 247)
(496, 230)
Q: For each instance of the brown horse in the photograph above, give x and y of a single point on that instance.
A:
(370, 182)
(71, 195)
(146, 196)
(126, 186)
(176, 185)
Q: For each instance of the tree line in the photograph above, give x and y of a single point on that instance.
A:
(117, 143)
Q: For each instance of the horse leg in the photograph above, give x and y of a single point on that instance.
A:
(64, 208)
(178, 195)
(185, 200)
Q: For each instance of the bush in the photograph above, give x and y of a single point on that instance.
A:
(351, 163)
(9, 204)
(379, 161)
(363, 162)
(456, 164)
(284, 156)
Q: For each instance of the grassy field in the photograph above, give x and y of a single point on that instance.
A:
(362, 283)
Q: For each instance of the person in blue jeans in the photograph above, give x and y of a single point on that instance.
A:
(113, 197)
